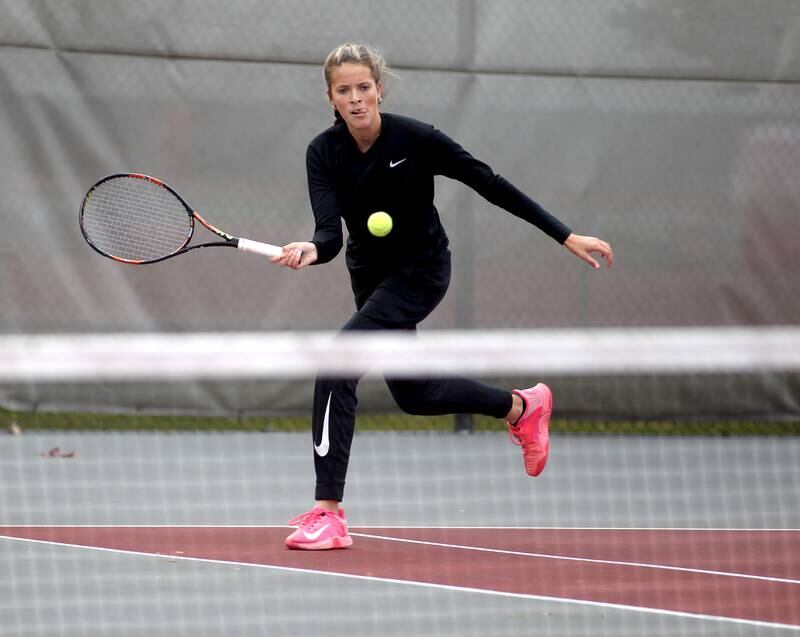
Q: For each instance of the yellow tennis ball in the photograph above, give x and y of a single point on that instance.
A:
(379, 224)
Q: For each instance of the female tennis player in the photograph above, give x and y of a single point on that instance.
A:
(371, 161)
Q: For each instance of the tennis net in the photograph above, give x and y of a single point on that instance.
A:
(644, 374)
(152, 476)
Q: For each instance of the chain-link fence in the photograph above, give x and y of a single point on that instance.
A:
(671, 129)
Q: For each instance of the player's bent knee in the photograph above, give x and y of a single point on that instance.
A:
(415, 397)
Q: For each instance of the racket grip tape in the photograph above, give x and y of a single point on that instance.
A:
(268, 250)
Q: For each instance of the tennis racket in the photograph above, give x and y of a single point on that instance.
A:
(138, 219)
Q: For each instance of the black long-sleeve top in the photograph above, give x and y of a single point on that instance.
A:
(396, 175)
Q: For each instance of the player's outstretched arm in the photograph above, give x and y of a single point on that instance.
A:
(583, 248)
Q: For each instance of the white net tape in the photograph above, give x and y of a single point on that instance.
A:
(89, 358)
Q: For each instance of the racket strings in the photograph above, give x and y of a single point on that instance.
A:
(135, 219)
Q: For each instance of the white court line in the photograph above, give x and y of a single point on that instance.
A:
(403, 526)
(545, 598)
(570, 528)
(569, 558)
(550, 556)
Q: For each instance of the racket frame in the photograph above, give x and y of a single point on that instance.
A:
(229, 241)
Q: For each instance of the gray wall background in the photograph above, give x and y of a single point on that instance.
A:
(669, 127)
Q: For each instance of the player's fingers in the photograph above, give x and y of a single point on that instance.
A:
(296, 259)
(282, 258)
(605, 251)
(587, 256)
(609, 255)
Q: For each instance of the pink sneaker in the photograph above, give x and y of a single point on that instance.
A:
(532, 431)
(319, 529)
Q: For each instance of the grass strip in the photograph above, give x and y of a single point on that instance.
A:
(19, 421)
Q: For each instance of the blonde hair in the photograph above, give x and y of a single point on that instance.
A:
(356, 54)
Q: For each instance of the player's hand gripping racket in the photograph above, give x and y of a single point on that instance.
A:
(137, 219)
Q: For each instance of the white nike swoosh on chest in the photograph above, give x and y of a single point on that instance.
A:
(324, 444)
(392, 164)
(315, 534)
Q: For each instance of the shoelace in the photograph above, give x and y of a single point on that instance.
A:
(514, 436)
(514, 433)
(308, 520)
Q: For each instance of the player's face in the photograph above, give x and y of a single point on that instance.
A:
(355, 94)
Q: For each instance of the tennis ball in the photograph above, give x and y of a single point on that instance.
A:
(379, 223)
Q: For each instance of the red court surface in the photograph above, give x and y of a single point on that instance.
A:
(739, 575)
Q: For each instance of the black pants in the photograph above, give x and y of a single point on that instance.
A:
(398, 301)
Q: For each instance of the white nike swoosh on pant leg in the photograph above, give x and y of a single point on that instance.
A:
(324, 444)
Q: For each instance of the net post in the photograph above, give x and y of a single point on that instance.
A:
(463, 424)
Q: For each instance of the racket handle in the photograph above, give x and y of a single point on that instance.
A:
(268, 250)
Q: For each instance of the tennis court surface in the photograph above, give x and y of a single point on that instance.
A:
(183, 534)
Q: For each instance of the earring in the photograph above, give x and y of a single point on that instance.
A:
(380, 100)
